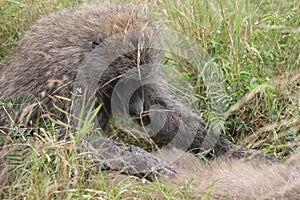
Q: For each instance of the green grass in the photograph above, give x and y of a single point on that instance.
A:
(254, 43)
(45, 169)
(17, 16)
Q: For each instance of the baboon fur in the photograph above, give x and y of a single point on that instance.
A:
(230, 179)
(235, 179)
(45, 64)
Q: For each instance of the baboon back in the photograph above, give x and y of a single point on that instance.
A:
(46, 61)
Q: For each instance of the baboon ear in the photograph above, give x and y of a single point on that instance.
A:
(97, 42)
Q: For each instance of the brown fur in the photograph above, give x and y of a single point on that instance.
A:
(46, 61)
(235, 179)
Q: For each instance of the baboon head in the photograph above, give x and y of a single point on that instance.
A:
(133, 43)
(122, 58)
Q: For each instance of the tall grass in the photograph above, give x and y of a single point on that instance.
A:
(16, 17)
(256, 46)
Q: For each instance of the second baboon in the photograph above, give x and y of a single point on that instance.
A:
(93, 57)
(234, 179)
(228, 179)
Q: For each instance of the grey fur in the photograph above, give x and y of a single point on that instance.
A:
(52, 53)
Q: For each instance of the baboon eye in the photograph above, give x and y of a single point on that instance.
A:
(98, 41)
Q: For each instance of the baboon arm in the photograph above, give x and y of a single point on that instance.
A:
(175, 124)
(126, 158)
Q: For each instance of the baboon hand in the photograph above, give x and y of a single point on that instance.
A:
(127, 159)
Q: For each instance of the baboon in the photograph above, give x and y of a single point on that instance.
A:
(235, 179)
(92, 57)
(230, 179)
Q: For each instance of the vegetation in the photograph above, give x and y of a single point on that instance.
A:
(254, 43)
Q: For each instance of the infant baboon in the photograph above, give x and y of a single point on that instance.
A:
(109, 58)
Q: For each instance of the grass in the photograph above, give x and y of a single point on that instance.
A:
(255, 44)
(17, 16)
